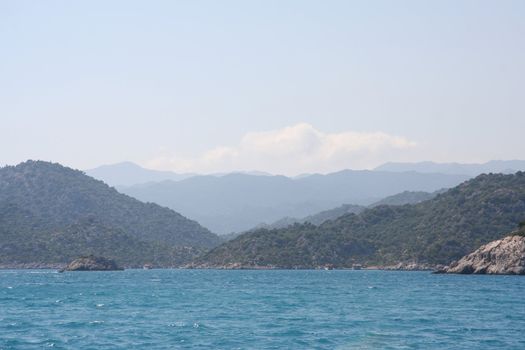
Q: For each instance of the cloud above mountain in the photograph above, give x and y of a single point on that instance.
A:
(291, 150)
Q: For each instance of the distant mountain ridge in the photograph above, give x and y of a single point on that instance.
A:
(239, 202)
(436, 231)
(131, 174)
(43, 202)
(128, 174)
(494, 166)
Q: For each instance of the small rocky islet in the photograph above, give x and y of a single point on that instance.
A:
(92, 263)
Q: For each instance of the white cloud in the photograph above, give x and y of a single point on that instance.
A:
(292, 150)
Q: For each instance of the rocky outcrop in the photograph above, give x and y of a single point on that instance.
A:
(503, 257)
(92, 263)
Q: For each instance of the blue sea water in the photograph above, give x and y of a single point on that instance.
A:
(214, 309)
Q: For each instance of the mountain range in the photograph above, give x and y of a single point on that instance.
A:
(236, 202)
(50, 214)
(130, 174)
(239, 202)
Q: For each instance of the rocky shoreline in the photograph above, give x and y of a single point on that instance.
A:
(402, 266)
(407, 266)
(505, 256)
(501, 257)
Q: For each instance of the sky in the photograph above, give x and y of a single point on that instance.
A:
(287, 86)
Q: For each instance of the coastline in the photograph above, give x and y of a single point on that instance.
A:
(402, 266)
(37, 266)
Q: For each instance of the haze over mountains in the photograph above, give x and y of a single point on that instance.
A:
(237, 202)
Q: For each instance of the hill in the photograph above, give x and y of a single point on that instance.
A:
(239, 202)
(436, 231)
(316, 219)
(405, 197)
(48, 213)
(24, 243)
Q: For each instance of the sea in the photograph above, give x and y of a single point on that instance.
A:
(271, 309)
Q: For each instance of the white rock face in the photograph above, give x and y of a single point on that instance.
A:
(505, 256)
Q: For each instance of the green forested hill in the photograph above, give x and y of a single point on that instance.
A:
(24, 242)
(49, 213)
(435, 231)
(315, 219)
(406, 197)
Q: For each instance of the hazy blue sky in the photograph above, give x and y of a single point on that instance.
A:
(282, 86)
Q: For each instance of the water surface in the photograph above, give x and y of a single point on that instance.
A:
(203, 309)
